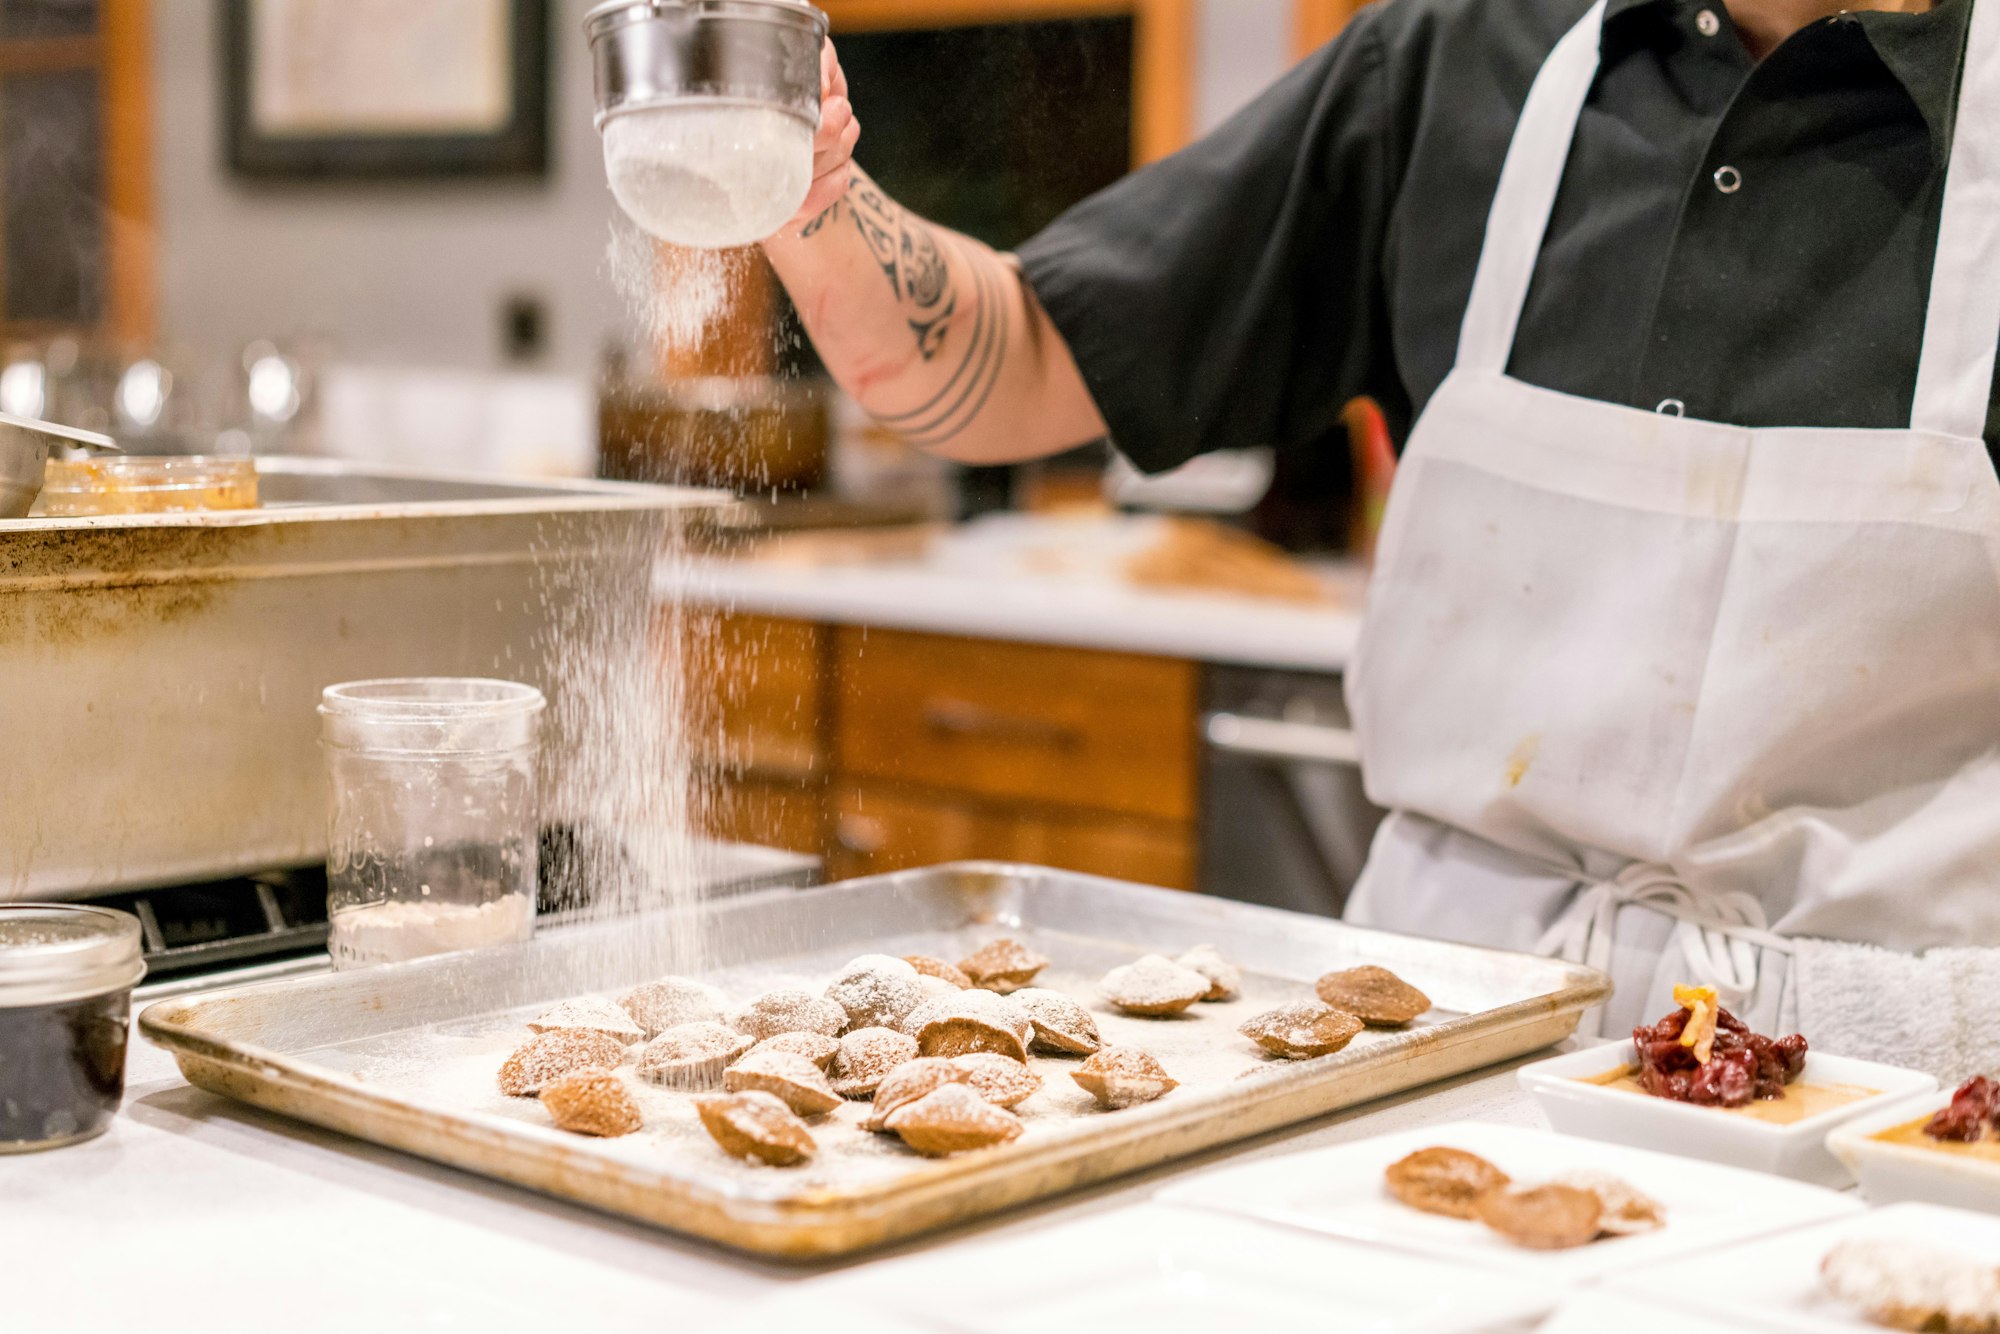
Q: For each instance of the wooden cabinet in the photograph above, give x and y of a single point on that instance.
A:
(879, 829)
(757, 691)
(1018, 722)
(881, 750)
(757, 687)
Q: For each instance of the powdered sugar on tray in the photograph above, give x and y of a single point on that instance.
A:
(453, 1068)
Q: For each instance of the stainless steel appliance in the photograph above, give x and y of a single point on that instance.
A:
(159, 673)
(1284, 821)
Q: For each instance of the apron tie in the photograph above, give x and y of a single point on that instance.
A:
(1717, 931)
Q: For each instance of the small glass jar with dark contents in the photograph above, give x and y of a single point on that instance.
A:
(66, 979)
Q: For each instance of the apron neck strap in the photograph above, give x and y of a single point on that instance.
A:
(1526, 195)
(1955, 373)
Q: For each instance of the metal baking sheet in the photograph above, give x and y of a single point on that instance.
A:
(302, 1047)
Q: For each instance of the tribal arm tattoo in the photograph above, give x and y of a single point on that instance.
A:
(908, 252)
(916, 261)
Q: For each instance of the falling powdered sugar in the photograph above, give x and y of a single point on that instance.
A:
(673, 294)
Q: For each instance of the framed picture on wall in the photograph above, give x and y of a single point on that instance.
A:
(382, 88)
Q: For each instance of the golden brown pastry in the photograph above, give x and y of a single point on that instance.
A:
(815, 1047)
(1061, 1025)
(1154, 986)
(791, 1079)
(952, 1119)
(1373, 995)
(547, 1057)
(1302, 1030)
(1443, 1181)
(1225, 979)
(1121, 1077)
(592, 1015)
(912, 1080)
(789, 1010)
(1001, 1080)
(876, 991)
(1542, 1218)
(1003, 966)
(1627, 1209)
(975, 1020)
(866, 1057)
(938, 968)
(672, 1001)
(691, 1056)
(1911, 1285)
(756, 1126)
(592, 1102)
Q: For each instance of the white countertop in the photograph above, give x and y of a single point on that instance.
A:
(978, 589)
(196, 1213)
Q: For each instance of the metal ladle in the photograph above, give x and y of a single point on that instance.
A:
(25, 447)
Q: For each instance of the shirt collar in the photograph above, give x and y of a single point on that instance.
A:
(1613, 8)
(1922, 51)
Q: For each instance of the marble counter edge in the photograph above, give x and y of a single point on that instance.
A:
(1069, 613)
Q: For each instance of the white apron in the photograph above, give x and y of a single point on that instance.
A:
(1662, 694)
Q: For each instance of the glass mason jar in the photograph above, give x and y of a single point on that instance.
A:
(66, 979)
(434, 833)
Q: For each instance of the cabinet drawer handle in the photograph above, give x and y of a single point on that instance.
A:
(961, 718)
(1273, 739)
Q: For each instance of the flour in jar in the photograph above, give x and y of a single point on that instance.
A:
(401, 929)
(712, 177)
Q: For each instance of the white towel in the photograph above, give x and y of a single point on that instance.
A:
(1938, 1011)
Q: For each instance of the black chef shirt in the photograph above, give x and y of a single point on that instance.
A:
(1321, 244)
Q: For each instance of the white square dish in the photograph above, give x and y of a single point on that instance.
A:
(1774, 1283)
(1798, 1150)
(1594, 1311)
(1339, 1191)
(1158, 1268)
(1890, 1173)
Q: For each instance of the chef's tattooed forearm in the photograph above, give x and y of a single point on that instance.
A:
(942, 292)
(955, 406)
(821, 219)
(907, 250)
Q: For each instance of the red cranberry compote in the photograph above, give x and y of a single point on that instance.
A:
(1974, 1107)
(1742, 1066)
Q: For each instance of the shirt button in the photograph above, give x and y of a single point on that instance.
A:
(1728, 180)
(1707, 24)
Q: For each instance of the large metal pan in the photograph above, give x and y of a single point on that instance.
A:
(159, 672)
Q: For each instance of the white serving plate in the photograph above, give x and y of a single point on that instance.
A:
(1891, 1173)
(1160, 1269)
(1594, 1312)
(1624, 1117)
(1339, 1191)
(1774, 1282)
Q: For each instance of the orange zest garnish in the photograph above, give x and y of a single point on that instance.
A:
(1702, 1010)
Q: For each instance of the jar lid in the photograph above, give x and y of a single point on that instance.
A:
(54, 952)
